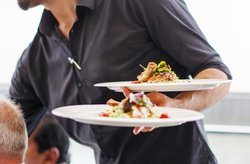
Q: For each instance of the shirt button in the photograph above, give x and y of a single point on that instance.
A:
(79, 84)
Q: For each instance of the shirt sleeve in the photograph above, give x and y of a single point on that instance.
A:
(173, 29)
(23, 94)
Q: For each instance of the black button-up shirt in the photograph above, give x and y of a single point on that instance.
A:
(109, 40)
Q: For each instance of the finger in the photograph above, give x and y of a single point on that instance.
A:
(112, 102)
(137, 130)
(126, 91)
(148, 129)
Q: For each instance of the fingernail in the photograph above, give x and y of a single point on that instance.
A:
(139, 130)
(136, 132)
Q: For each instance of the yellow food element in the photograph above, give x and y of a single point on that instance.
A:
(154, 73)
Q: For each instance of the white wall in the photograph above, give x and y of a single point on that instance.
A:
(17, 30)
(226, 24)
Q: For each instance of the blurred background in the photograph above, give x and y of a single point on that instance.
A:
(226, 25)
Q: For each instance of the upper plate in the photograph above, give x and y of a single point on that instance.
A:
(181, 85)
(89, 114)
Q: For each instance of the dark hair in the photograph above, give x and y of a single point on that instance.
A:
(51, 134)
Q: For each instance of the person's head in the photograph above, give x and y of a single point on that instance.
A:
(13, 133)
(48, 144)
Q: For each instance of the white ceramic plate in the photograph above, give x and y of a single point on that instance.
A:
(89, 114)
(181, 85)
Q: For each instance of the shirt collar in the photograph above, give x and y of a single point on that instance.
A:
(87, 3)
(48, 21)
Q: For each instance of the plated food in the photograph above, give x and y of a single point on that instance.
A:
(137, 110)
(136, 105)
(161, 78)
(90, 114)
(155, 73)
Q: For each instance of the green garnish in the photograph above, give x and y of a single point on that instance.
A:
(162, 67)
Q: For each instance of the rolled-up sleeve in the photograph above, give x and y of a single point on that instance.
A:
(173, 29)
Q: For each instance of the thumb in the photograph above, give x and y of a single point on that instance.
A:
(158, 99)
(126, 91)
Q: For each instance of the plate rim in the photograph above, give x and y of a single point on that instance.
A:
(128, 122)
(188, 81)
(195, 84)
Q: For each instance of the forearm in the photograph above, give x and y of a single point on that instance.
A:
(199, 100)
